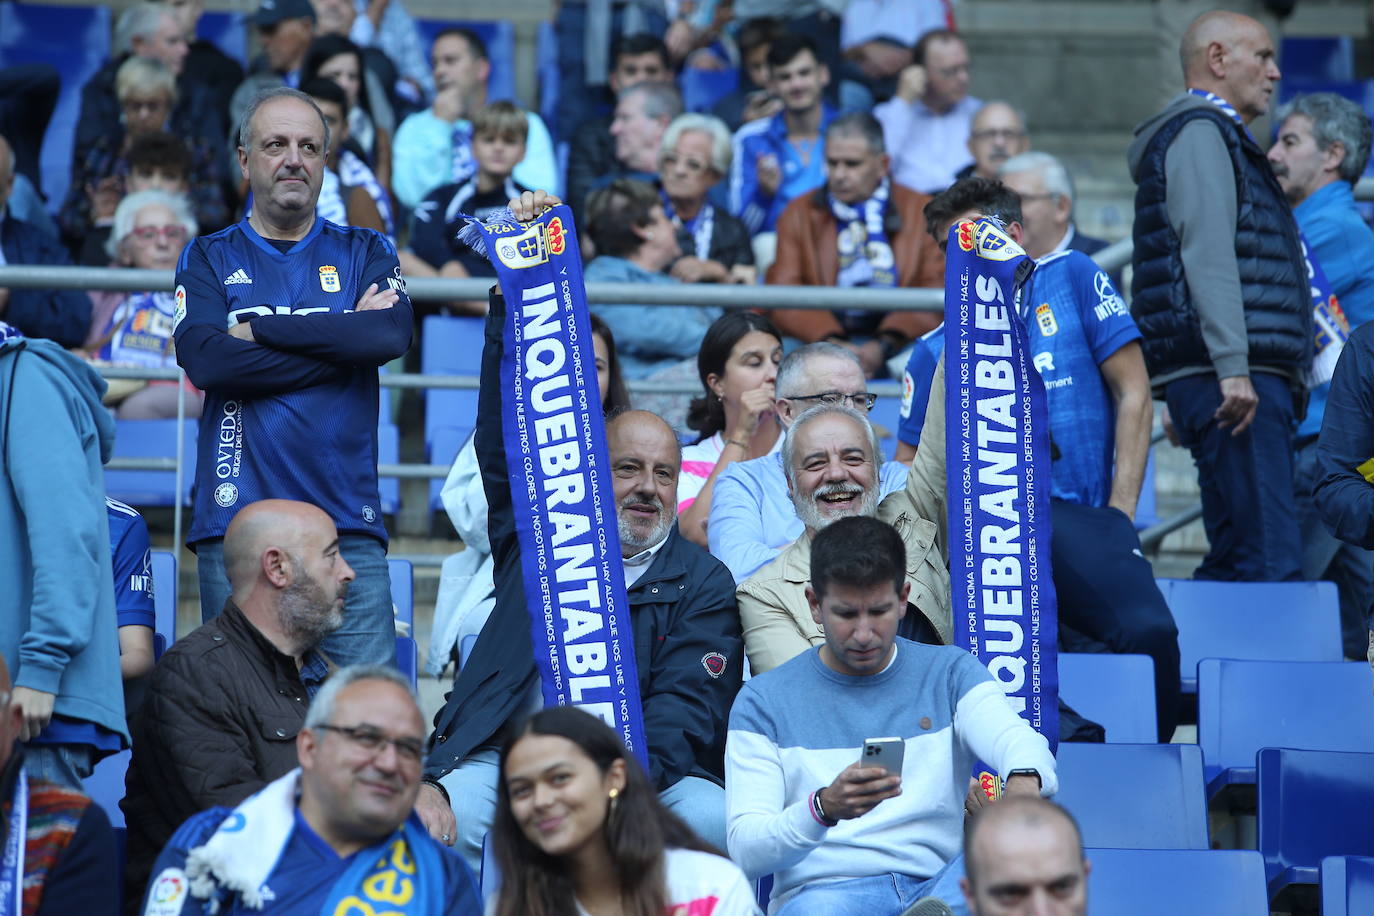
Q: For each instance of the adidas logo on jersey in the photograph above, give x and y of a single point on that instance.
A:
(238, 276)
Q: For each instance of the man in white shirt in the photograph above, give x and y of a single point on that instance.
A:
(926, 124)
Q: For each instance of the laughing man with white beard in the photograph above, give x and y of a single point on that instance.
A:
(828, 456)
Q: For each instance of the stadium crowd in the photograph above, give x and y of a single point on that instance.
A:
(789, 589)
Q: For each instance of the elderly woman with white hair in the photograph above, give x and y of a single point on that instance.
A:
(693, 158)
(135, 329)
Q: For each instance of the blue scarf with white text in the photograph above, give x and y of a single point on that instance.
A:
(998, 460)
(560, 474)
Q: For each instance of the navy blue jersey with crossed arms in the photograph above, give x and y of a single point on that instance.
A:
(293, 413)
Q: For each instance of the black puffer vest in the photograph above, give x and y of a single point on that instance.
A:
(1273, 275)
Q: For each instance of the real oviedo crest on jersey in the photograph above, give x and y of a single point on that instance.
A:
(329, 279)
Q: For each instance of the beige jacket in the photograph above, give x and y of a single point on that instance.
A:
(772, 602)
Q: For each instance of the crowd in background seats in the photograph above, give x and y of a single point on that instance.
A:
(761, 528)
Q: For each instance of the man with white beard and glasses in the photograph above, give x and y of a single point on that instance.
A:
(829, 458)
(687, 643)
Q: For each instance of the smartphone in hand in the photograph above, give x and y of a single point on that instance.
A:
(887, 753)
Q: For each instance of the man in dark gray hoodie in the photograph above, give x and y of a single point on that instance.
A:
(1221, 296)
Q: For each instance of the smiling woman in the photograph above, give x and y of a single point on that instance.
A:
(579, 829)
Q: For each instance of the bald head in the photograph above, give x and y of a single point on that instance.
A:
(997, 133)
(281, 524)
(1024, 855)
(645, 462)
(1233, 56)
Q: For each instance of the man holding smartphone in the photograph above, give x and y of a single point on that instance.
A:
(804, 800)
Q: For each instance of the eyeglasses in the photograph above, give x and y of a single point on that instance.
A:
(173, 233)
(369, 739)
(863, 400)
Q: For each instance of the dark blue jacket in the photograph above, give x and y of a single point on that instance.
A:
(1278, 309)
(682, 609)
(1344, 497)
(60, 315)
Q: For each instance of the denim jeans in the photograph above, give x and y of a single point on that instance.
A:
(1246, 480)
(368, 634)
(62, 764)
(1351, 568)
(879, 895)
(472, 793)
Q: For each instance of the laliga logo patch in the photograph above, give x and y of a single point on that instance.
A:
(714, 663)
(525, 250)
(180, 311)
(966, 230)
(995, 245)
(1045, 318)
(555, 236)
(168, 893)
(991, 784)
(329, 279)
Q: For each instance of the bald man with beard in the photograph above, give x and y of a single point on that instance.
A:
(225, 703)
(1220, 294)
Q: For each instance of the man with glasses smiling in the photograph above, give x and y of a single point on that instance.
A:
(336, 835)
(752, 516)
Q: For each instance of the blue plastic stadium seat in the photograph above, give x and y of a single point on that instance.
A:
(1135, 796)
(450, 346)
(151, 439)
(1268, 621)
(1347, 886)
(1247, 705)
(164, 600)
(546, 50)
(105, 786)
(407, 658)
(1117, 691)
(389, 452)
(403, 590)
(1312, 804)
(1179, 882)
(226, 31)
(702, 89)
(499, 38)
(75, 40)
(1318, 58)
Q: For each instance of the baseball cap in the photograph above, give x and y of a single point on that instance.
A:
(270, 12)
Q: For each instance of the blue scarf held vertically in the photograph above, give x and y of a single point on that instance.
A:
(1329, 324)
(998, 459)
(16, 832)
(560, 474)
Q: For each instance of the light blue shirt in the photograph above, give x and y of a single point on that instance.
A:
(648, 338)
(1344, 246)
(752, 517)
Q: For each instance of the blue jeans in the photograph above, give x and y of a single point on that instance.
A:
(65, 765)
(880, 895)
(472, 793)
(1246, 480)
(1324, 557)
(368, 634)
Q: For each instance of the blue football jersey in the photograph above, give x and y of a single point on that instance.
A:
(1075, 320)
(293, 413)
(132, 559)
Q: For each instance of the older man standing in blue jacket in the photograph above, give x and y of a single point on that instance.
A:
(1322, 147)
(57, 615)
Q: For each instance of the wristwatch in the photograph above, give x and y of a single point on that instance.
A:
(1027, 772)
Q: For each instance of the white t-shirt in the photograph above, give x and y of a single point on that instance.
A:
(700, 884)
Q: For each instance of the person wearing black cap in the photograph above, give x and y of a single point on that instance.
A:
(285, 30)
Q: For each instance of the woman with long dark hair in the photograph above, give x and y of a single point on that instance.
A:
(580, 831)
(738, 364)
